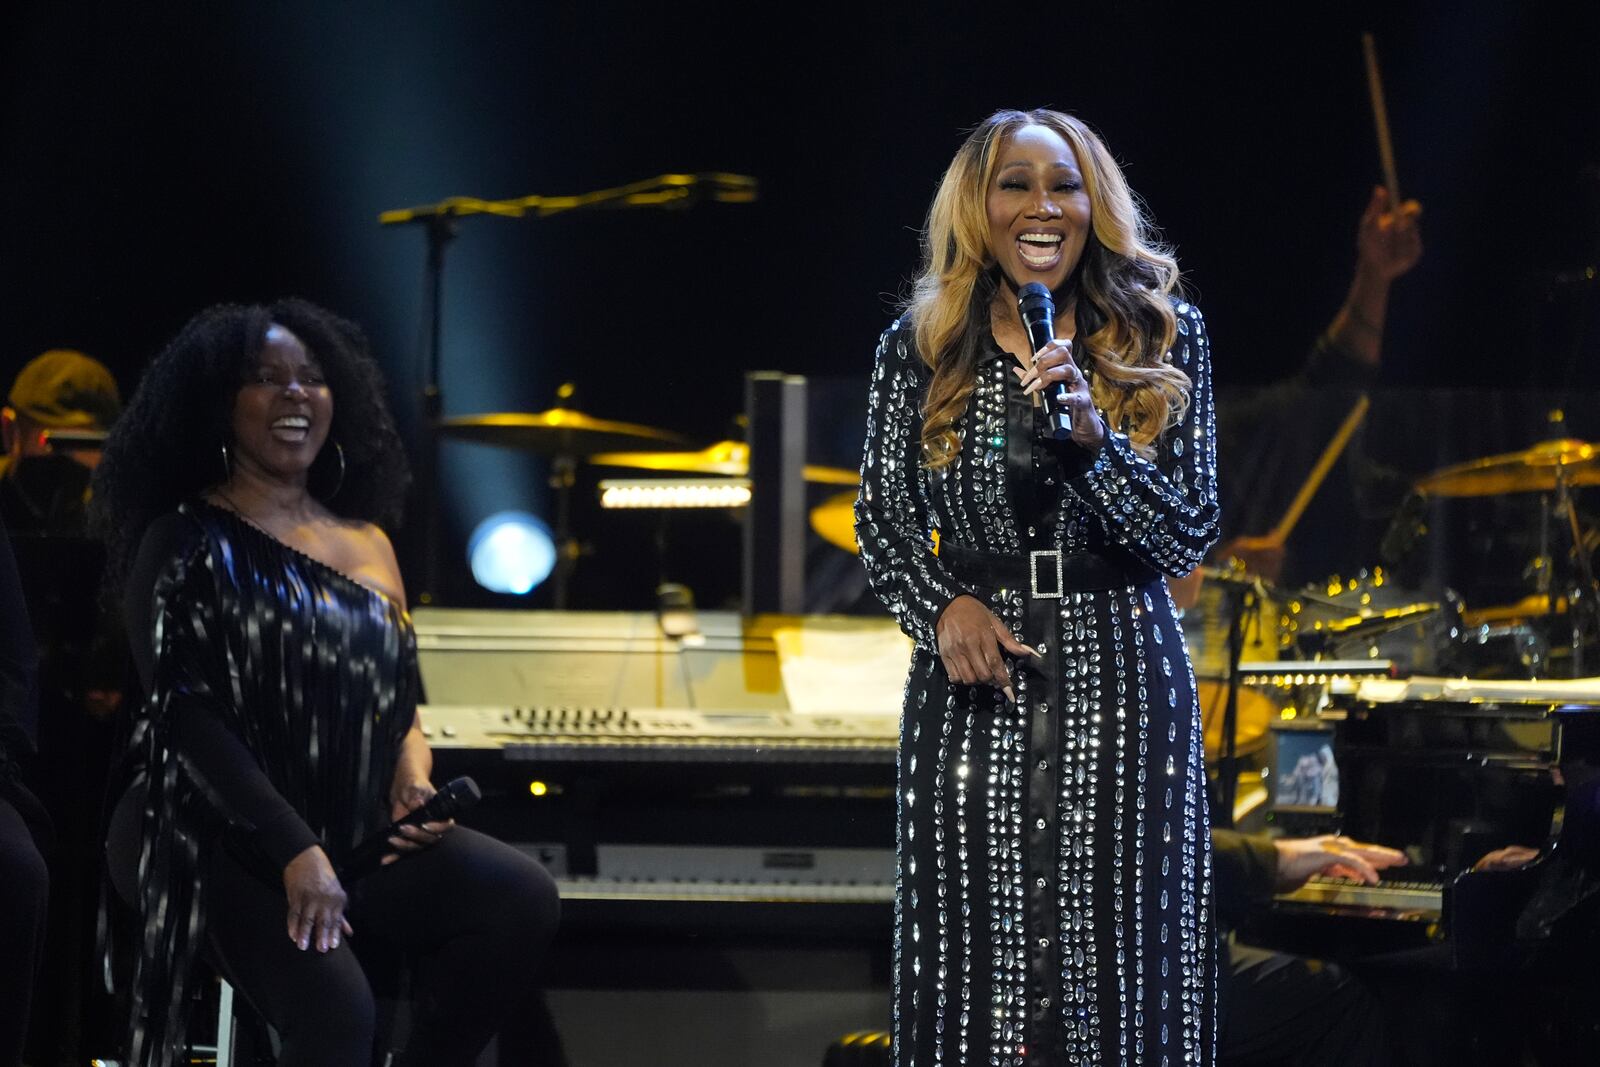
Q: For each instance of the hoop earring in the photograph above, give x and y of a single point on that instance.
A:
(227, 465)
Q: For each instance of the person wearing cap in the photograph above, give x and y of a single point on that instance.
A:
(44, 481)
(25, 829)
(55, 415)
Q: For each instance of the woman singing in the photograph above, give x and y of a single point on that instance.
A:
(239, 493)
(1054, 876)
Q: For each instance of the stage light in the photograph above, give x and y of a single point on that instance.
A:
(674, 492)
(538, 789)
(511, 552)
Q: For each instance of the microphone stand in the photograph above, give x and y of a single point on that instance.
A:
(439, 222)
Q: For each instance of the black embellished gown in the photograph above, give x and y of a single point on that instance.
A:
(1054, 875)
(313, 672)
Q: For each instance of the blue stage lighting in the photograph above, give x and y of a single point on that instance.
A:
(511, 552)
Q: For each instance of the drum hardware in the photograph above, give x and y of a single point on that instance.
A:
(728, 458)
(1553, 469)
(1241, 597)
(564, 435)
(834, 520)
(441, 223)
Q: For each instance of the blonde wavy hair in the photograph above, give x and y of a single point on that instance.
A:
(1125, 321)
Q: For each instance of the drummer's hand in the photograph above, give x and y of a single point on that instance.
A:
(1261, 556)
(971, 640)
(1052, 366)
(1186, 590)
(1301, 857)
(1388, 242)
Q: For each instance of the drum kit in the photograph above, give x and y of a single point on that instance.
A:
(1373, 618)
(1368, 616)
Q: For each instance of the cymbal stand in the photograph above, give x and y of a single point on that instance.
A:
(441, 229)
(563, 474)
(1584, 595)
(1241, 600)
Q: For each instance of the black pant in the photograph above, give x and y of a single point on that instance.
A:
(478, 913)
(24, 892)
(1283, 1009)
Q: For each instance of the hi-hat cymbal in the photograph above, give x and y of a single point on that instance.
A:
(1529, 471)
(835, 520)
(557, 432)
(728, 458)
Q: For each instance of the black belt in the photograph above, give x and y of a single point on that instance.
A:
(1046, 574)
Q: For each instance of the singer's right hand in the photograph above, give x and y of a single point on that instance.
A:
(316, 901)
(970, 642)
(1053, 366)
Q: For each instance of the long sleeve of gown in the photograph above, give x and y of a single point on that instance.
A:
(175, 653)
(891, 513)
(1165, 512)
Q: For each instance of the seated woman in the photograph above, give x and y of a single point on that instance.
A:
(239, 495)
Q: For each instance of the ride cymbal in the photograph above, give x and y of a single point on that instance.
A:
(557, 432)
(1532, 470)
(728, 458)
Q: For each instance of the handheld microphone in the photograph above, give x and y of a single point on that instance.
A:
(1038, 310)
(457, 796)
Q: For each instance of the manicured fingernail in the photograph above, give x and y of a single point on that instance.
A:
(305, 943)
(1012, 697)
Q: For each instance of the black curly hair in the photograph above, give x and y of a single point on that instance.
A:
(167, 446)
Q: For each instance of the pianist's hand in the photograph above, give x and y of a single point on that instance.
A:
(1301, 857)
(1509, 858)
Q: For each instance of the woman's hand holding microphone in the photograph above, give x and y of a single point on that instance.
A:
(1053, 366)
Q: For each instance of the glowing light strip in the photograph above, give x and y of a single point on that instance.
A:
(674, 493)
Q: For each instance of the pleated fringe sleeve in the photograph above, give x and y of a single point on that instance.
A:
(189, 668)
(1165, 512)
(892, 526)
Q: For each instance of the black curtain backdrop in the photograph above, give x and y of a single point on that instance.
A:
(158, 158)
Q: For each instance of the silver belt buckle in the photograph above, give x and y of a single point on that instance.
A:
(1050, 555)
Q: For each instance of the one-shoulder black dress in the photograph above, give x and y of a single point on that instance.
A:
(314, 672)
(1054, 856)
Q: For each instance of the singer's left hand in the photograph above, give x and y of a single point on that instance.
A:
(405, 798)
(1053, 366)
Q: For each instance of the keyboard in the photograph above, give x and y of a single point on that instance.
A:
(1413, 900)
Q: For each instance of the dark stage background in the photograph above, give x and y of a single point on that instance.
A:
(155, 159)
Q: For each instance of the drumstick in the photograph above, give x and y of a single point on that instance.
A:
(1335, 448)
(1380, 116)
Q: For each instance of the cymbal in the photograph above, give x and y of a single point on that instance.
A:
(557, 432)
(835, 520)
(729, 458)
(1532, 606)
(1531, 470)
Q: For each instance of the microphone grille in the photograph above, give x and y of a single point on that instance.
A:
(1033, 298)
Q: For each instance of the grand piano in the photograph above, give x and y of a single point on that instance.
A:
(1450, 770)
